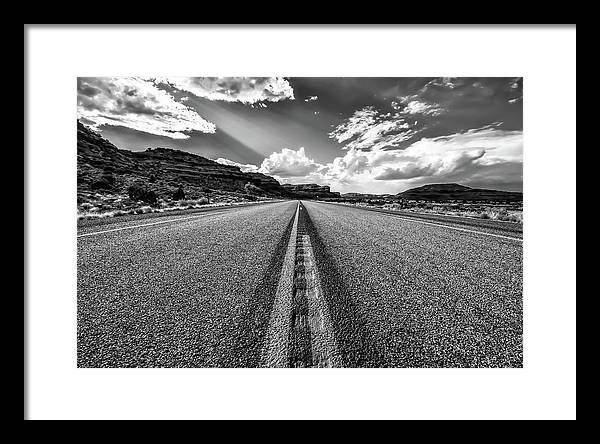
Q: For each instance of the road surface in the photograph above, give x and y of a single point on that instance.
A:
(292, 284)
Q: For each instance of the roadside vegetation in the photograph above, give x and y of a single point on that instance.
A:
(506, 212)
(103, 200)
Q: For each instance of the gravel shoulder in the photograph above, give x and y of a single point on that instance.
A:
(105, 223)
(486, 225)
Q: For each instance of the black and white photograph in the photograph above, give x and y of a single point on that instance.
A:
(235, 222)
(299, 222)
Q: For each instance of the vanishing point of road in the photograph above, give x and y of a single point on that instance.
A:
(299, 284)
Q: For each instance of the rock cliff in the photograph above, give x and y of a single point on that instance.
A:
(162, 169)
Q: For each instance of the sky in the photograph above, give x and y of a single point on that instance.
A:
(366, 135)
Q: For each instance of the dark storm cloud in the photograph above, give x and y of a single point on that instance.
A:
(412, 169)
(408, 171)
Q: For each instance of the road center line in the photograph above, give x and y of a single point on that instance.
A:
(150, 224)
(300, 332)
(323, 347)
(275, 352)
(456, 228)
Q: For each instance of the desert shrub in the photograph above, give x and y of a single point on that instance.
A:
(101, 185)
(105, 182)
(252, 189)
(511, 217)
(392, 206)
(516, 217)
(151, 197)
(179, 194)
(138, 192)
(502, 214)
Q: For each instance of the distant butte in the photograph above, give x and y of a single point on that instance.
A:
(454, 191)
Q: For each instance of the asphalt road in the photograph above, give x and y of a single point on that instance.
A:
(409, 293)
(198, 289)
(186, 291)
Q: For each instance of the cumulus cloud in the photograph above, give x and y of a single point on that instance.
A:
(401, 147)
(458, 157)
(245, 168)
(136, 103)
(288, 163)
(499, 145)
(393, 149)
(247, 90)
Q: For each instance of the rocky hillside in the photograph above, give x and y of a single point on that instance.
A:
(102, 166)
(453, 191)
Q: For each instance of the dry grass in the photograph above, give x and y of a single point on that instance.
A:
(503, 215)
(479, 211)
(106, 205)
